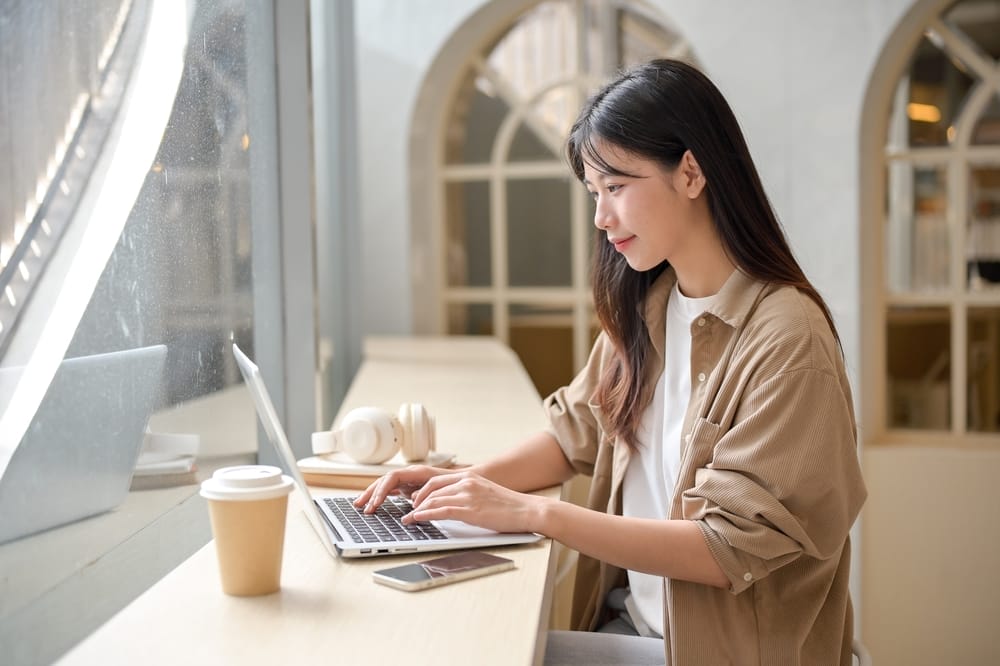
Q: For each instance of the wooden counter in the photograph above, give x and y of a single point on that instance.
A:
(329, 609)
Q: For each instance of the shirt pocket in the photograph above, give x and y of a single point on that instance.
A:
(700, 442)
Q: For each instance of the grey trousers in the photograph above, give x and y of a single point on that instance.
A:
(592, 648)
(616, 643)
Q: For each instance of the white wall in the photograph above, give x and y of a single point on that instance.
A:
(396, 42)
(796, 74)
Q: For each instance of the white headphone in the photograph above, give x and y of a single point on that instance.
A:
(371, 435)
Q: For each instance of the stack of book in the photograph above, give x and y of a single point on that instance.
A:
(166, 459)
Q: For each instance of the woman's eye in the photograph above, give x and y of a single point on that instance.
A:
(613, 188)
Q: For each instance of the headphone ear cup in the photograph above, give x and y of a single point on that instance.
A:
(369, 435)
(418, 432)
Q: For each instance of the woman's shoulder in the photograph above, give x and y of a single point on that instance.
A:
(789, 327)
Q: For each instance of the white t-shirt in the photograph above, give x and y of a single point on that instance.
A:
(652, 471)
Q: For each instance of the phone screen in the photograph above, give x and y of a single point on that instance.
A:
(441, 570)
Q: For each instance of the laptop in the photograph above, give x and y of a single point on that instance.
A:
(348, 532)
(77, 456)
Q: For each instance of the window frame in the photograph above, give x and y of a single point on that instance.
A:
(956, 159)
(499, 295)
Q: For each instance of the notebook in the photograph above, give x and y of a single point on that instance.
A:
(348, 532)
(77, 456)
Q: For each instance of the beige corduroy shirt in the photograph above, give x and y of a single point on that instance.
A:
(769, 472)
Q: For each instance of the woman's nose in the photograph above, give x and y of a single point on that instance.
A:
(602, 215)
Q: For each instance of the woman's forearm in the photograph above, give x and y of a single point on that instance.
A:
(669, 548)
(535, 463)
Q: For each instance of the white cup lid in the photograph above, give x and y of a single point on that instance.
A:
(246, 483)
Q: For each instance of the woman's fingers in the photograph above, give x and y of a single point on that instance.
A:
(435, 485)
(400, 480)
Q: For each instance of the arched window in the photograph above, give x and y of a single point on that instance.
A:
(938, 321)
(517, 229)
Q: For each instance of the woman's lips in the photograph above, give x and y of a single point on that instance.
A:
(620, 243)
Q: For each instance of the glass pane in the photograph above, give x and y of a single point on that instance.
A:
(930, 96)
(470, 319)
(180, 274)
(527, 146)
(917, 239)
(918, 345)
(642, 38)
(553, 115)
(984, 369)
(983, 238)
(538, 51)
(475, 118)
(987, 130)
(538, 228)
(542, 336)
(467, 214)
(52, 74)
(980, 21)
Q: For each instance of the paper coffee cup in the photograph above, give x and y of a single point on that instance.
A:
(247, 506)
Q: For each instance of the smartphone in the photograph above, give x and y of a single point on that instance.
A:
(442, 570)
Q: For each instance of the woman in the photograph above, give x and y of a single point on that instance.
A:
(714, 413)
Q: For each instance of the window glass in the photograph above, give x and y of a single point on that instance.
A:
(54, 60)
(932, 91)
(539, 232)
(538, 50)
(983, 236)
(180, 274)
(917, 232)
(475, 119)
(918, 358)
(467, 245)
(174, 268)
(470, 319)
(984, 369)
(987, 129)
(979, 20)
(643, 38)
(527, 145)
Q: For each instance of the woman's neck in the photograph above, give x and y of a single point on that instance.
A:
(703, 274)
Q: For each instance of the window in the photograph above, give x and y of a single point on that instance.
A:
(517, 228)
(940, 318)
(148, 188)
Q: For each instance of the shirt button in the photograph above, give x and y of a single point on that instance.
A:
(701, 376)
(701, 322)
(748, 576)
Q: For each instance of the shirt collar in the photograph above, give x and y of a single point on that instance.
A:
(732, 305)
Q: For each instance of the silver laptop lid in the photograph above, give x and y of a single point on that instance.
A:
(272, 426)
(77, 456)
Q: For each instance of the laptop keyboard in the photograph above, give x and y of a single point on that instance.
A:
(384, 524)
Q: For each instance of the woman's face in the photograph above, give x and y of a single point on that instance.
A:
(647, 216)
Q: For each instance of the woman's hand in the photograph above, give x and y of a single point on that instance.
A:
(473, 499)
(397, 482)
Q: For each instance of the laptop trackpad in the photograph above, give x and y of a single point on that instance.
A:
(458, 529)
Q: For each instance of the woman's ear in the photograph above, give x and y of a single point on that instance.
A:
(692, 180)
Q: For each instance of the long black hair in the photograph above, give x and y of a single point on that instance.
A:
(657, 111)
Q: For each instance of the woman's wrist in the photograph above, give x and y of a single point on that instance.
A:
(543, 515)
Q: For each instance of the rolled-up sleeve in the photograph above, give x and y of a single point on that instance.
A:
(784, 479)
